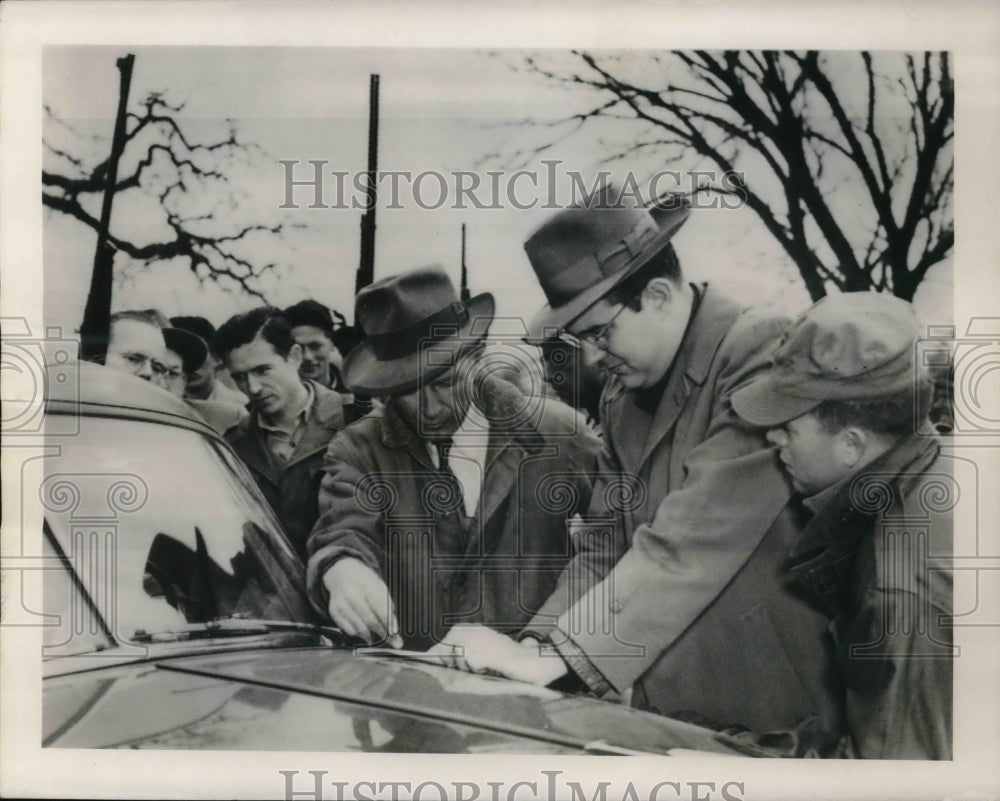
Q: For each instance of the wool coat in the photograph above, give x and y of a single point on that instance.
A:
(678, 595)
(878, 556)
(383, 501)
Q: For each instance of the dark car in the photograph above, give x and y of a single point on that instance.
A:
(180, 619)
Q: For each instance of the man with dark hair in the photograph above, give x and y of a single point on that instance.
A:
(291, 420)
(312, 327)
(843, 405)
(447, 503)
(673, 599)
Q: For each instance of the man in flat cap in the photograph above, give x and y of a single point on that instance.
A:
(844, 407)
(448, 503)
(674, 598)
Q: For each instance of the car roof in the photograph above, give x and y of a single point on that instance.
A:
(93, 389)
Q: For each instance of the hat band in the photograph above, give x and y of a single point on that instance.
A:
(406, 341)
(567, 283)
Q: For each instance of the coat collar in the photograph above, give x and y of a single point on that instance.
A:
(712, 320)
(499, 401)
(323, 419)
(823, 553)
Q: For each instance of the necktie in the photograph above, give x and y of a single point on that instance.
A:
(443, 448)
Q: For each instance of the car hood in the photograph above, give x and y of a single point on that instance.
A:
(323, 699)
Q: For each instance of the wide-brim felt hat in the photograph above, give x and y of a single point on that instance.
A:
(415, 328)
(192, 349)
(583, 252)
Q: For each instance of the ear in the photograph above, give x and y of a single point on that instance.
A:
(851, 446)
(659, 293)
(295, 355)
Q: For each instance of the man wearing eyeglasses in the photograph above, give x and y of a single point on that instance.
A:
(183, 357)
(135, 344)
(673, 599)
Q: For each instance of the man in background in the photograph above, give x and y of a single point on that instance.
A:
(135, 344)
(576, 382)
(184, 353)
(291, 420)
(313, 328)
(208, 381)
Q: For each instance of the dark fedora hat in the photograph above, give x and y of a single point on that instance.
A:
(415, 328)
(583, 252)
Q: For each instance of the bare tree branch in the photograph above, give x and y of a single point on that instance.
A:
(823, 150)
(177, 171)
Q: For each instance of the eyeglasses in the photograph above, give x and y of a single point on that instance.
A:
(597, 336)
(171, 373)
(139, 360)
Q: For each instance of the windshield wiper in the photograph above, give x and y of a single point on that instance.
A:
(237, 627)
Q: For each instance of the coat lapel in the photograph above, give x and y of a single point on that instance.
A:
(249, 446)
(324, 420)
(503, 459)
(396, 433)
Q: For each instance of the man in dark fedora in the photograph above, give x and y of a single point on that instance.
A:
(448, 503)
(674, 598)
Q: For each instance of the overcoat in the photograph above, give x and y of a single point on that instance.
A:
(383, 501)
(678, 595)
(291, 489)
(878, 556)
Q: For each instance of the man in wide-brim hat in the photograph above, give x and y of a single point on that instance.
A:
(680, 609)
(456, 449)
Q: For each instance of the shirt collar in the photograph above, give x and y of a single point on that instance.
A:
(472, 433)
(301, 417)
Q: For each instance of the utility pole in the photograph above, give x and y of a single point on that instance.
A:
(366, 267)
(95, 328)
(464, 293)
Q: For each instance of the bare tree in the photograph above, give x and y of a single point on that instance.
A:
(847, 158)
(189, 182)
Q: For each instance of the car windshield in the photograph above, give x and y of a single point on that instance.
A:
(160, 527)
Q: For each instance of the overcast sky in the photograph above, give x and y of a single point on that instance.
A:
(441, 110)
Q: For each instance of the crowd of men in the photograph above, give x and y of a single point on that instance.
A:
(708, 534)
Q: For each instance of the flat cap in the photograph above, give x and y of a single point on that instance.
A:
(848, 346)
